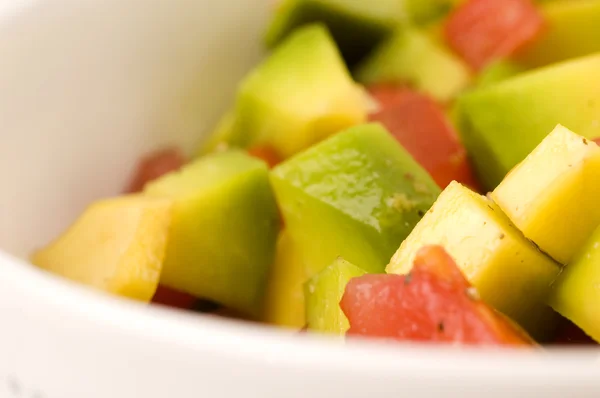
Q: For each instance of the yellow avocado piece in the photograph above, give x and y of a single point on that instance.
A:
(576, 293)
(284, 303)
(552, 196)
(117, 245)
(509, 272)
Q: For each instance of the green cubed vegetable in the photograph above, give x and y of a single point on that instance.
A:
(502, 123)
(323, 293)
(576, 293)
(357, 195)
(223, 231)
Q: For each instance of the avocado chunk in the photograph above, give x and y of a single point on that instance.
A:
(502, 123)
(298, 96)
(412, 57)
(324, 292)
(284, 302)
(552, 196)
(576, 294)
(117, 245)
(356, 195)
(224, 230)
(507, 270)
(357, 26)
(572, 30)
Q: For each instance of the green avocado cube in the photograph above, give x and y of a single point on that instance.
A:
(323, 293)
(356, 25)
(502, 123)
(299, 95)
(572, 30)
(576, 293)
(224, 228)
(413, 57)
(356, 195)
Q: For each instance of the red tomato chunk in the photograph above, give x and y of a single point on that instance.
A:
(482, 31)
(434, 303)
(154, 166)
(419, 124)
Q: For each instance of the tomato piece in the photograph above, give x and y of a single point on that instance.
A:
(267, 154)
(597, 140)
(434, 303)
(571, 334)
(482, 31)
(420, 125)
(155, 165)
(173, 298)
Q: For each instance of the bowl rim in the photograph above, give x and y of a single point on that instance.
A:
(201, 333)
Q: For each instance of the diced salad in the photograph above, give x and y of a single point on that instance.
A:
(411, 170)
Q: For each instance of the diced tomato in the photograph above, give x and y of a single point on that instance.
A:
(173, 298)
(267, 154)
(434, 303)
(482, 31)
(571, 334)
(420, 125)
(155, 165)
(597, 140)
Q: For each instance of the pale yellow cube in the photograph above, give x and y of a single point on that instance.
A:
(553, 196)
(507, 270)
(116, 245)
(284, 301)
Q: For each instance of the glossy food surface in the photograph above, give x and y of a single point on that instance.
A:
(359, 191)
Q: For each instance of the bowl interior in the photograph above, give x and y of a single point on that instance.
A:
(87, 87)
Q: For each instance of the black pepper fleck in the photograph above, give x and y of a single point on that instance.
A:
(441, 327)
(501, 236)
(585, 142)
(420, 213)
(408, 279)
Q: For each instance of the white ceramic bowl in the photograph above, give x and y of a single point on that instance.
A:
(85, 88)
